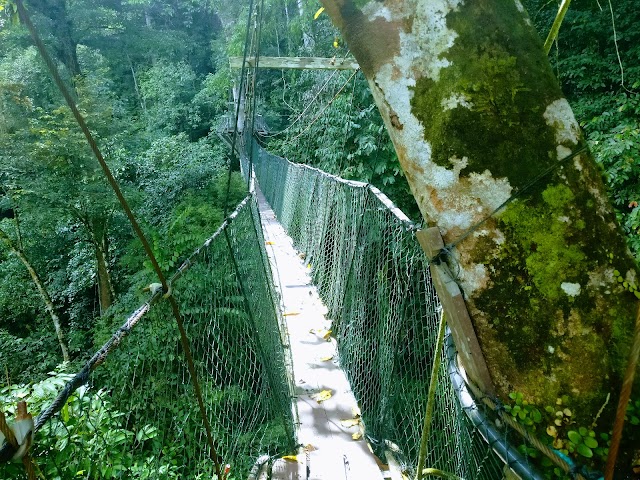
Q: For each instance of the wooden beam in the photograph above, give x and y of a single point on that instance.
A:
(298, 63)
(458, 318)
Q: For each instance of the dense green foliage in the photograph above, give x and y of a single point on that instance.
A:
(145, 77)
(88, 418)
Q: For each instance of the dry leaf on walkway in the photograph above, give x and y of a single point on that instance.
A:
(270, 243)
(327, 358)
(356, 411)
(324, 334)
(309, 448)
(322, 396)
(351, 422)
(356, 436)
(290, 314)
(290, 458)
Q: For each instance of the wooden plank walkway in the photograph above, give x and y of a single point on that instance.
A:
(330, 451)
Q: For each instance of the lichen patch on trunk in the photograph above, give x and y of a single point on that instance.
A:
(456, 100)
(432, 35)
(559, 116)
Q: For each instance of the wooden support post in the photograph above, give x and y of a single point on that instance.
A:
(458, 317)
(298, 63)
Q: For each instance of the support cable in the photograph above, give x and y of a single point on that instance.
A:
(433, 385)
(134, 223)
(309, 105)
(254, 80)
(325, 107)
(519, 192)
(234, 136)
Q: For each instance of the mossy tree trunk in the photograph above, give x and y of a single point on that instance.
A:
(476, 115)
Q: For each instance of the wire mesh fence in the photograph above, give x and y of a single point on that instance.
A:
(373, 277)
(136, 417)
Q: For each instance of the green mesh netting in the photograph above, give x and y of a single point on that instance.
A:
(138, 416)
(373, 277)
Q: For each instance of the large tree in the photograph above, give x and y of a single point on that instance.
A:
(478, 119)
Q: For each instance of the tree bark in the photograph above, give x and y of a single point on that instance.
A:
(478, 119)
(41, 290)
(65, 47)
(105, 286)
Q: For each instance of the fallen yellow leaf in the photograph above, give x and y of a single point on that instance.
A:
(356, 436)
(356, 411)
(270, 242)
(309, 448)
(290, 458)
(324, 334)
(351, 422)
(318, 13)
(290, 314)
(322, 396)
(327, 358)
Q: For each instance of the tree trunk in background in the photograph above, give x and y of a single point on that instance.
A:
(65, 44)
(476, 115)
(105, 286)
(48, 304)
(307, 39)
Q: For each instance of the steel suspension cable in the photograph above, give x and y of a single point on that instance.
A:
(254, 80)
(325, 107)
(299, 117)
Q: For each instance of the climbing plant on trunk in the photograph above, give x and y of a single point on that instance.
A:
(478, 121)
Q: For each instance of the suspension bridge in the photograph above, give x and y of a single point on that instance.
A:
(306, 345)
(288, 392)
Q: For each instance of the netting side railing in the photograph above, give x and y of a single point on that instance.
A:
(373, 277)
(137, 417)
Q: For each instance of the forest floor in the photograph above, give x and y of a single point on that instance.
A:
(329, 429)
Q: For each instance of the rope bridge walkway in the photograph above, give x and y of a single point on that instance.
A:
(330, 430)
(137, 412)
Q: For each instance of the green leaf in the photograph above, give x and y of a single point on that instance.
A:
(590, 442)
(575, 437)
(537, 416)
(584, 451)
